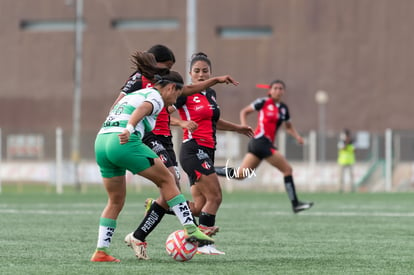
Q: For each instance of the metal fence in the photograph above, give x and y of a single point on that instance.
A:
(384, 160)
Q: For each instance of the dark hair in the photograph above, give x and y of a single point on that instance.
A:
(200, 56)
(146, 64)
(348, 134)
(162, 53)
(171, 77)
(277, 81)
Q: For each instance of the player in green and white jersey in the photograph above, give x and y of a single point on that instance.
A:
(118, 147)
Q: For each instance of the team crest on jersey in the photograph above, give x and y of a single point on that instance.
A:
(201, 154)
(213, 98)
(206, 165)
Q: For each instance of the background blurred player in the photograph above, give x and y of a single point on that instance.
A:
(272, 114)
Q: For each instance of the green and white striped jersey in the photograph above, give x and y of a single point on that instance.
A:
(118, 117)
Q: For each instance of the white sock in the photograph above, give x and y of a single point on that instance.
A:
(181, 210)
(106, 230)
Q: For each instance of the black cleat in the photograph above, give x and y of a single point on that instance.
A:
(302, 206)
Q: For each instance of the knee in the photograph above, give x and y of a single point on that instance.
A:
(116, 203)
(288, 171)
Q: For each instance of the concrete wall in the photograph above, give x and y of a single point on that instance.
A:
(360, 52)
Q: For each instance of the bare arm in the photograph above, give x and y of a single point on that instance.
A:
(230, 126)
(244, 112)
(143, 110)
(198, 87)
(292, 131)
(190, 125)
(120, 96)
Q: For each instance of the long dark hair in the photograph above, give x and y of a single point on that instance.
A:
(146, 64)
(171, 77)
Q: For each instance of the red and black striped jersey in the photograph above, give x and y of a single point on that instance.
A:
(201, 108)
(137, 82)
(271, 116)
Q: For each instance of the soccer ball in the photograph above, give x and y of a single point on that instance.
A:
(178, 248)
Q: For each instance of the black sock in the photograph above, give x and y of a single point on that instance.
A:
(224, 171)
(290, 189)
(150, 221)
(207, 219)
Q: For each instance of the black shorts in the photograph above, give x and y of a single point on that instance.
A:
(162, 146)
(196, 160)
(261, 147)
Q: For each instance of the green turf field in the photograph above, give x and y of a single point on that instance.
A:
(45, 233)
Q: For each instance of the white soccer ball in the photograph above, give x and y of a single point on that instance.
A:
(178, 248)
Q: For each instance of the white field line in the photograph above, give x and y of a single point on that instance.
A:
(339, 214)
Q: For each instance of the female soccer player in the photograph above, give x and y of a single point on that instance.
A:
(197, 150)
(160, 138)
(119, 147)
(272, 114)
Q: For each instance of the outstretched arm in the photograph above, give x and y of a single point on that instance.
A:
(230, 126)
(198, 87)
(292, 131)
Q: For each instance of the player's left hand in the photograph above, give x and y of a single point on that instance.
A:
(300, 140)
(124, 136)
(246, 130)
(190, 125)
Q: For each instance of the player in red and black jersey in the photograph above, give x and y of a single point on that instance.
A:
(272, 114)
(160, 138)
(197, 150)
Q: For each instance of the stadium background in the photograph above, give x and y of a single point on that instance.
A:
(358, 51)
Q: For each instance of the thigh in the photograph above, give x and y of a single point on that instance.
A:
(279, 161)
(250, 161)
(104, 144)
(158, 173)
(209, 186)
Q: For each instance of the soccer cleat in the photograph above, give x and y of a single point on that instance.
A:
(209, 250)
(302, 206)
(139, 247)
(193, 234)
(147, 205)
(102, 256)
(209, 230)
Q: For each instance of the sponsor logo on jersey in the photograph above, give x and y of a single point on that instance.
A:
(206, 165)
